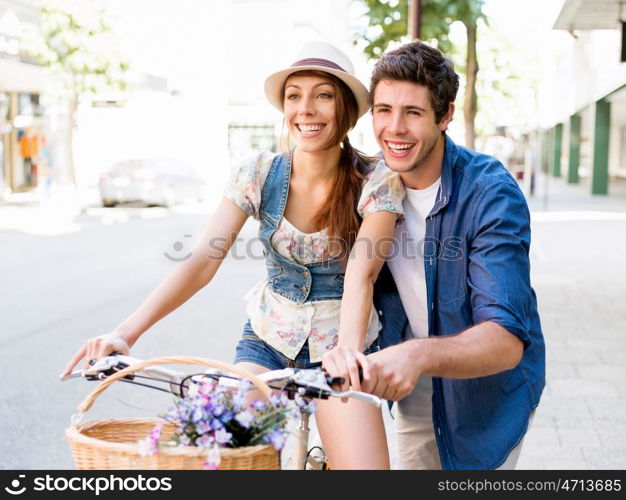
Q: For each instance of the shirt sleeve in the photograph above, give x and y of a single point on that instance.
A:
(383, 190)
(498, 264)
(246, 182)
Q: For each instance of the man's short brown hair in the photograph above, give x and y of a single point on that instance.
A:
(420, 63)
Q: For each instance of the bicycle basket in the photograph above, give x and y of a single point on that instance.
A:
(112, 443)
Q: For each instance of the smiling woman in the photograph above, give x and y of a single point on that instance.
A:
(311, 202)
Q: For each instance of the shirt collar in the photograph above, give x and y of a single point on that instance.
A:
(450, 154)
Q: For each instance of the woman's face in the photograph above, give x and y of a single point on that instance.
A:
(310, 107)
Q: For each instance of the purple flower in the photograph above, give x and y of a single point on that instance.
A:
(276, 438)
(304, 405)
(274, 400)
(239, 400)
(258, 405)
(278, 401)
(245, 418)
(203, 427)
(244, 385)
(222, 436)
(218, 409)
(226, 417)
(204, 441)
(216, 425)
(197, 415)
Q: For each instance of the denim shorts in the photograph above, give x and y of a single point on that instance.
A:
(254, 350)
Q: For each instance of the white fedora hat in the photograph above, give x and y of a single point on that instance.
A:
(319, 56)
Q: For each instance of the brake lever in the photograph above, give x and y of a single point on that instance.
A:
(104, 367)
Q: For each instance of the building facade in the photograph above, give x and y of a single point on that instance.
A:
(586, 139)
(24, 128)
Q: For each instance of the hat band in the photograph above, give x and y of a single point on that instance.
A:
(312, 61)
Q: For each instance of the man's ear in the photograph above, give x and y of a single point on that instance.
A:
(447, 118)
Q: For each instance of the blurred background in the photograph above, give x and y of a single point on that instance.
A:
(120, 121)
(87, 84)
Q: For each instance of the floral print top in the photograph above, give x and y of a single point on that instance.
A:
(283, 324)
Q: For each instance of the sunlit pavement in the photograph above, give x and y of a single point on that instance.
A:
(580, 280)
(64, 213)
(579, 276)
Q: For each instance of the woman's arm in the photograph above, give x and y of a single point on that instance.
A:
(181, 284)
(372, 246)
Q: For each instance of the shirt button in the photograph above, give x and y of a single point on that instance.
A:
(380, 313)
(303, 288)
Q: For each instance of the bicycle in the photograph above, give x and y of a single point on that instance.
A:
(309, 384)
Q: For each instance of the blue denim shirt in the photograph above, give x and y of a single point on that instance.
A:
(477, 269)
(299, 283)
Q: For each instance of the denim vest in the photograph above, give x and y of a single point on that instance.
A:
(298, 283)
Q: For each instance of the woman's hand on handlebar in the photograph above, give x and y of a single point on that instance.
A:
(345, 362)
(96, 348)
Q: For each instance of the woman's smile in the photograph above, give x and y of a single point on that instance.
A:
(308, 130)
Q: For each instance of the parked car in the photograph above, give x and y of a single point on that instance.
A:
(153, 181)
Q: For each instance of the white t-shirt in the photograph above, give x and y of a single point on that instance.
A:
(407, 268)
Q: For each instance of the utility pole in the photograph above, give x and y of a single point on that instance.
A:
(415, 19)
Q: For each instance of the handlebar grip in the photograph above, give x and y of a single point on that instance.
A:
(363, 396)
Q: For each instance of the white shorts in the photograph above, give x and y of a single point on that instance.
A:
(417, 446)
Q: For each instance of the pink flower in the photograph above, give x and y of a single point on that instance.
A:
(213, 458)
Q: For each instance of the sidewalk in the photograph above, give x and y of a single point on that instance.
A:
(556, 194)
(578, 273)
(61, 212)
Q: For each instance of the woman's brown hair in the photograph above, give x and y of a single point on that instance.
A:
(339, 211)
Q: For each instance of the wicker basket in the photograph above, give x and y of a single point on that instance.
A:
(112, 444)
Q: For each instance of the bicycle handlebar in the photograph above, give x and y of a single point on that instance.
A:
(310, 383)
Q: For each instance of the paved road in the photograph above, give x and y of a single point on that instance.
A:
(57, 290)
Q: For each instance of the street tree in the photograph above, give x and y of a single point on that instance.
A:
(77, 42)
(388, 22)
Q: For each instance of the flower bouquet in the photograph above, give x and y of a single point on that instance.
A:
(213, 416)
(213, 426)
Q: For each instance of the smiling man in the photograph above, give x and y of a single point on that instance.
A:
(465, 357)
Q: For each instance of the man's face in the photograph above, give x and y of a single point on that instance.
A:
(404, 124)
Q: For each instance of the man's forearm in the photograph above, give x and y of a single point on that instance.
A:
(481, 350)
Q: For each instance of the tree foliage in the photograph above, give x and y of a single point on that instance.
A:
(76, 40)
(388, 22)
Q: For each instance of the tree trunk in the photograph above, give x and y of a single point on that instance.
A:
(470, 104)
(71, 127)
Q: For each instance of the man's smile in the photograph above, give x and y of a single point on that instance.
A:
(399, 149)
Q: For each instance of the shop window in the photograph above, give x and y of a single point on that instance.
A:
(28, 105)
